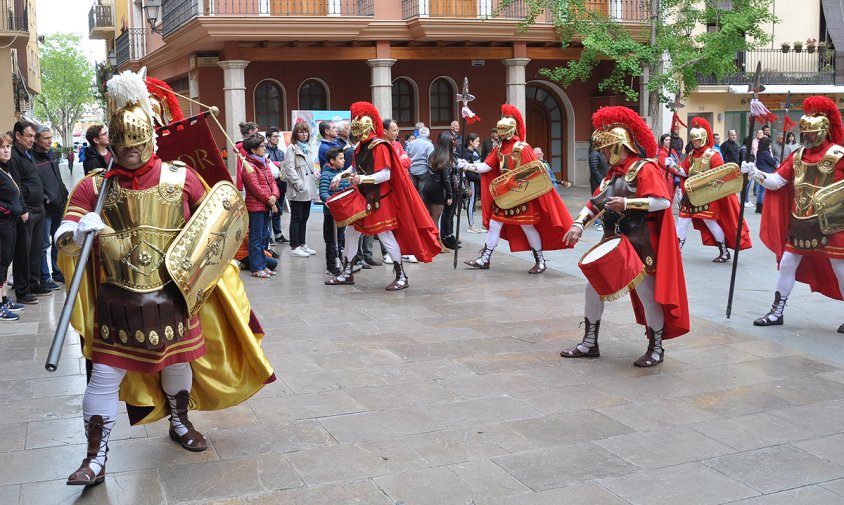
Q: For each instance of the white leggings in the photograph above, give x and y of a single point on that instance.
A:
(494, 234)
(387, 239)
(788, 271)
(714, 228)
(654, 316)
(101, 394)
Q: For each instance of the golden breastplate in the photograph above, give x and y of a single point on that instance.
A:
(809, 178)
(702, 164)
(512, 161)
(144, 223)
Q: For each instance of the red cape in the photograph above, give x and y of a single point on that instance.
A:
(416, 232)
(814, 270)
(555, 220)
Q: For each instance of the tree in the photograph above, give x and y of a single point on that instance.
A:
(66, 77)
(664, 49)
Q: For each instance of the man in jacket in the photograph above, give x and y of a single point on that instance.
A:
(55, 198)
(419, 151)
(729, 149)
(96, 153)
(27, 262)
(276, 157)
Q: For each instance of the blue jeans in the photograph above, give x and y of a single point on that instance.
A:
(257, 232)
(51, 224)
(760, 193)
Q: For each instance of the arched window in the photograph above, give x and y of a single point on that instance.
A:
(313, 96)
(268, 108)
(404, 102)
(442, 102)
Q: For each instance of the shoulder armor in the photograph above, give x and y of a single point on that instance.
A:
(375, 142)
(633, 171)
(518, 147)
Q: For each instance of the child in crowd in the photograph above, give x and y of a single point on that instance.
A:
(334, 237)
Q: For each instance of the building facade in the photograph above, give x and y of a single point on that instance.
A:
(19, 61)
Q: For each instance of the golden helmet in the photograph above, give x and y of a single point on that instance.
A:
(814, 124)
(615, 137)
(361, 126)
(698, 134)
(131, 126)
(506, 127)
(365, 119)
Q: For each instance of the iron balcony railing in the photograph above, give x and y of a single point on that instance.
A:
(619, 10)
(14, 20)
(131, 45)
(176, 13)
(100, 16)
(816, 67)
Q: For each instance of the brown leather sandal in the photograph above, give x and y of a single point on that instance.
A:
(84, 475)
(192, 440)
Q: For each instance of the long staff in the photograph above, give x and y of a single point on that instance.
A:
(464, 98)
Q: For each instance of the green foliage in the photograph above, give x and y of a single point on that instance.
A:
(631, 44)
(66, 77)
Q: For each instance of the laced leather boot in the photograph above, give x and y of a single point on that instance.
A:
(346, 277)
(401, 278)
(774, 317)
(724, 255)
(539, 267)
(483, 261)
(588, 347)
(192, 440)
(655, 353)
(97, 435)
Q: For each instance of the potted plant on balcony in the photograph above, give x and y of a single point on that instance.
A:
(810, 44)
(785, 47)
(798, 46)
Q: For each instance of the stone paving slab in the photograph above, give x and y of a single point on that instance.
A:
(452, 392)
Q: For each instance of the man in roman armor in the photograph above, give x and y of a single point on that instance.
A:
(537, 225)
(716, 221)
(636, 204)
(394, 211)
(803, 215)
(156, 342)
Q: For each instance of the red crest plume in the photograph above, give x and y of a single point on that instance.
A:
(367, 109)
(165, 94)
(699, 122)
(609, 117)
(508, 110)
(823, 106)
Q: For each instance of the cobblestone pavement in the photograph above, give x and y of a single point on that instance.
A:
(452, 392)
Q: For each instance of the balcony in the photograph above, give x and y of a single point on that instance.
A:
(781, 68)
(130, 46)
(176, 13)
(619, 10)
(101, 21)
(14, 25)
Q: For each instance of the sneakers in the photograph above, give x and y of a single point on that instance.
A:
(58, 278)
(41, 290)
(307, 249)
(474, 229)
(749, 204)
(410, 258)
(387, 259)
(28, 299)
(299, 253)
(5, 315)
(11, 306)
(49, 284)
(280, 238)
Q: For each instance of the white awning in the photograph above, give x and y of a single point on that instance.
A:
(781, 89)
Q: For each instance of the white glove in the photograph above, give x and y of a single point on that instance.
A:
(90, 222)
(462, 164)
(669, 162)
(749, 168)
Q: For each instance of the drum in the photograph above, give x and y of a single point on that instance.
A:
(612, 267)
(714, 184)
(347, 207)
(521, 185)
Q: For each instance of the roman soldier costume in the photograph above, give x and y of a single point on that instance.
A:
(161, 309)
(517, 197)
(717, 221)
(639, 252)
(803, 215)
(383, 202)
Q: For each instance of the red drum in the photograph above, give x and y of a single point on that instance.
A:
(347, 207)
(612, 267)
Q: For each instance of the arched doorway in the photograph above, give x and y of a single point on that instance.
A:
(550, 126)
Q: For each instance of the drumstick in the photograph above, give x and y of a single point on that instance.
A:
(597, 217)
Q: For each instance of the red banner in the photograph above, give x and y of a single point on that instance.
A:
(191, 142)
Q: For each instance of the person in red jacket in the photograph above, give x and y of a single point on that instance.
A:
(808, 249)
(716, 221)
(637, 205)
(261, 198)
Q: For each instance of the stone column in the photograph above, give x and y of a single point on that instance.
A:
(234, 95)
(382, 85)
(516, 82)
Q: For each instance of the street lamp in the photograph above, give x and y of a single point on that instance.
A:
(151, 11)
(112, 58)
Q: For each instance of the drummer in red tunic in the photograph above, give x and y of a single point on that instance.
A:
(539, 224)
(394, 210)
(636, 204)
(803, 215)
(716, 221)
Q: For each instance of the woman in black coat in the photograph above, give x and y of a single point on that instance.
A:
(11, 209)
(765, 162)
(437, 191)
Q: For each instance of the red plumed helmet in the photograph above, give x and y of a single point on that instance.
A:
(699, 122)
(607, 118)
(508, 110)
(359, 109)
(823, 106)
(167, 108)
